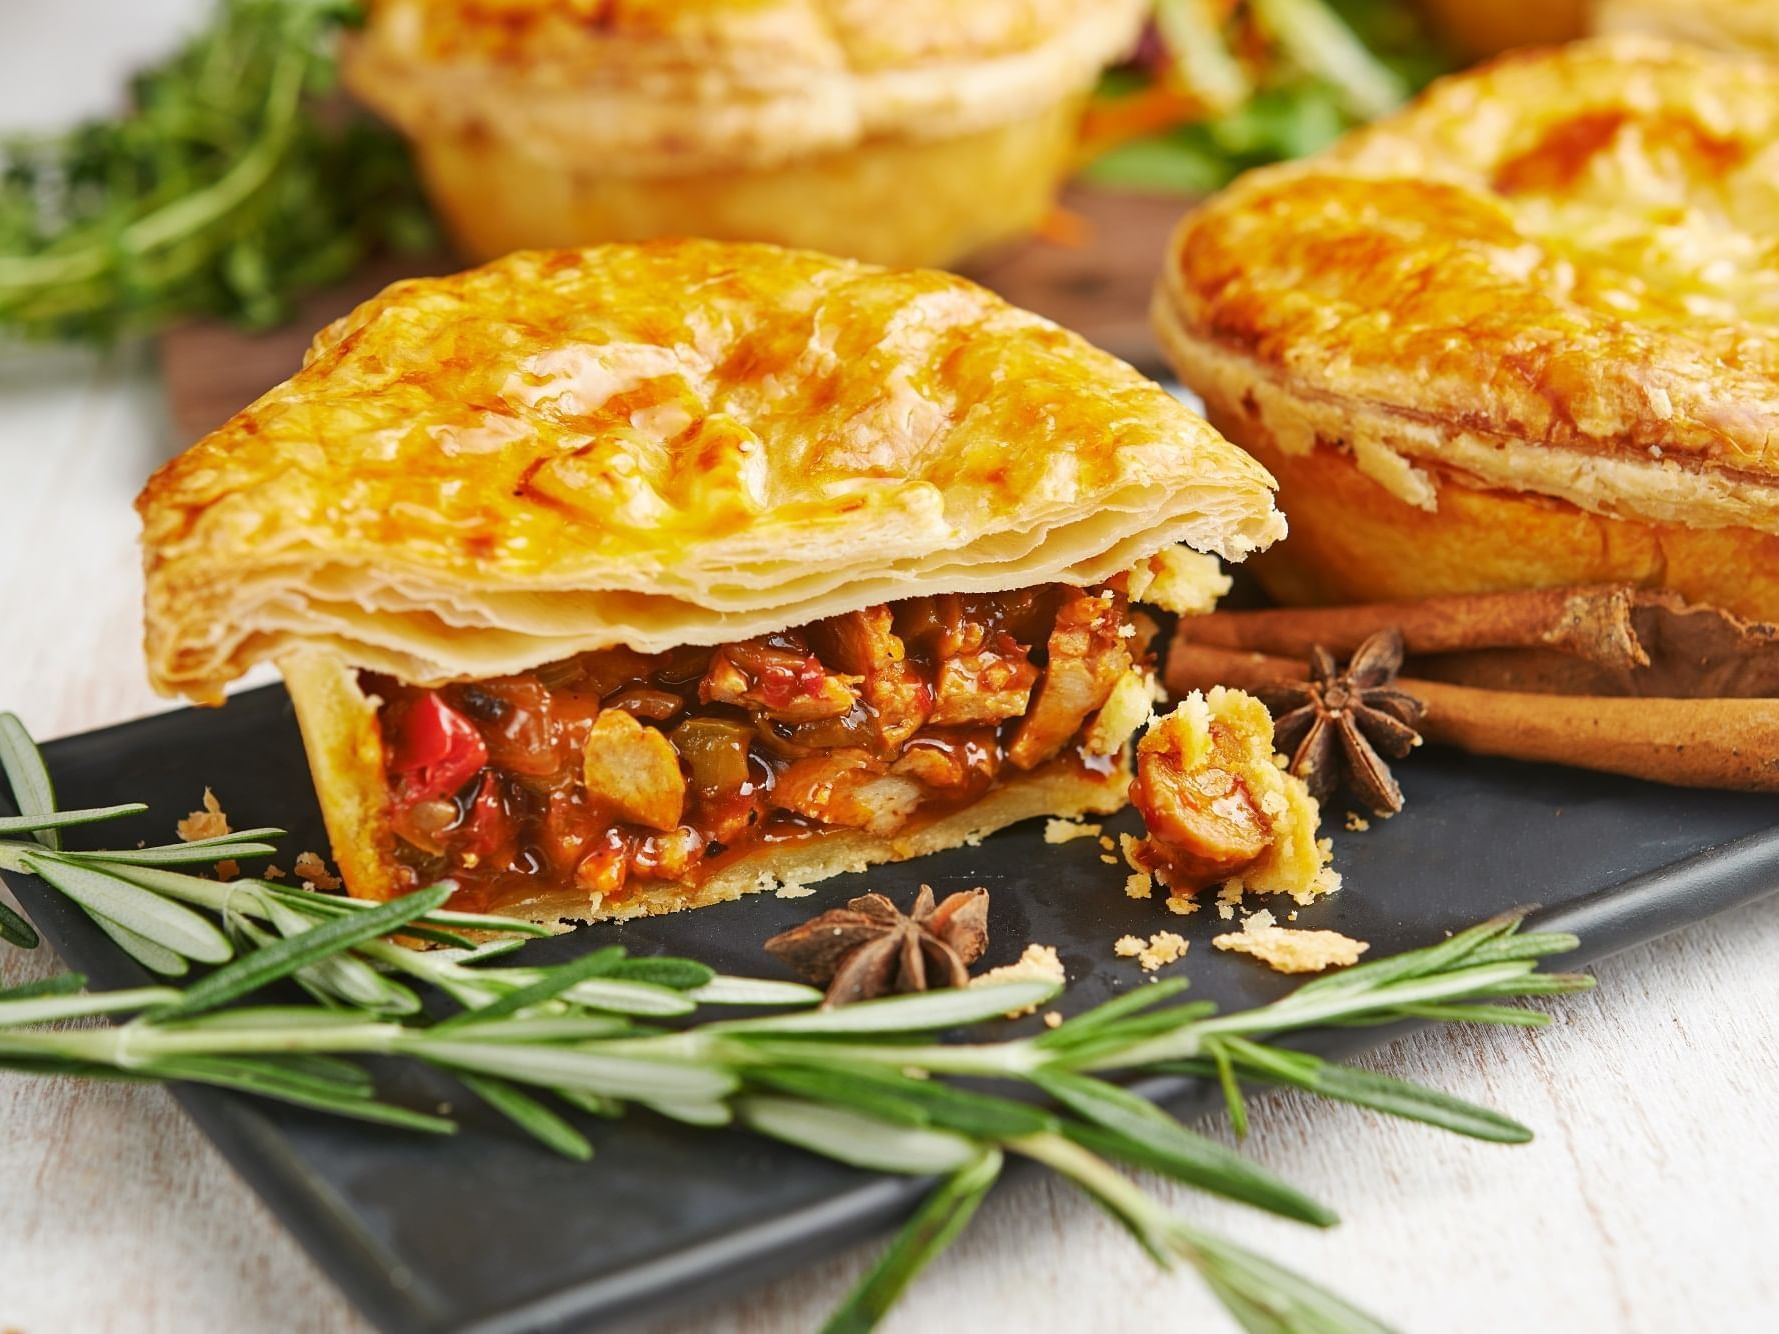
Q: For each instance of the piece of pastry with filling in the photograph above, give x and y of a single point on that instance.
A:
(618, 581)
(1523, 334)
(1220, 808)
(915, 132)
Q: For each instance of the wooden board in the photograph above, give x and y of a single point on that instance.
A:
(1098, 285)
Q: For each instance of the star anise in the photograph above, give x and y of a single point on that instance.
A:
(1335, 725)
(871, 948)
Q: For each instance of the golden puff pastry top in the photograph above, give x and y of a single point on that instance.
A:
(672, 85)
(660, 444)
(1575, 250)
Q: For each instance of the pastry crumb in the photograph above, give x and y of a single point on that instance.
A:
(1229, 897)
(1139, 885)
(1161, 949)
(1128, 845)
(1357, 823)
(1038, 963)
(1108, 859)
(792, 891)
(272, 872)
(1181, 904)
(313, 872)
(1177, 579)
(210, 822)
(1289, 950)
(1106, 843)
(228, 870)
(1067, 831)
(1052, 1019)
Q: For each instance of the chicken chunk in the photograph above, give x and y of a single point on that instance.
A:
(634, 771)
(781, 682)
(961, 762)
(863, 643)
(848, 788)
(987, 686)
(1088, 655)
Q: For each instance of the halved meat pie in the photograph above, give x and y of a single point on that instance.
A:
(619, 581)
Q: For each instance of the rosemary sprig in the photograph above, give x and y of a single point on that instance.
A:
(221, 191)
(863, 1084)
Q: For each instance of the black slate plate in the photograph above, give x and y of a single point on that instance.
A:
(485, 1232)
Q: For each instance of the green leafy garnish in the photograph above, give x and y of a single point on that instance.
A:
(863, 1084)
(225, 189)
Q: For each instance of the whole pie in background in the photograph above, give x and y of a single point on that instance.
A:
(1521, 334)
(616, 581)
(914, 132)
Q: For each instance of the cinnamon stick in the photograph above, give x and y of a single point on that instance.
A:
(1586, 621)
(1714, 743)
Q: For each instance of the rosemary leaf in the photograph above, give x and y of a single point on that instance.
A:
(30, 824)
(251, 1078)
(282, 958)
(856, 1138)
(723, 990)
(15, 930)
(1135, 1130)
(1119, 1007)
(55, 1007)
(923, 1011)
(152, 955)
(551, 984)
(616, 1076)
(690, 1112)
(1266, 1296)
(935, 1225)
(61, 984)
(167, 924)
(530, 1115)
(27, 776)
(1343, 1083)
(249, 843)
(643, 998)
(677, 974)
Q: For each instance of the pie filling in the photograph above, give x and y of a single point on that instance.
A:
(614, 770)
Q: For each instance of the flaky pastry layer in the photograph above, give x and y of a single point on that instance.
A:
(647, 87)
(1552, 275)
(661, 445)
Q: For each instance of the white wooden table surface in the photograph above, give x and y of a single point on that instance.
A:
(1650, 1201)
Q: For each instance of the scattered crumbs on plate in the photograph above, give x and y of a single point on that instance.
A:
(1181, 904)
(1107, 844)
(1229, 897)
(1162, 948)
(1139, 885)
(793, 891)
(272, 872)
(1128, 845)
(1067, 831)
(1357, 823)
(1108, 859)
(228, 870)
(210, 822)
(1288, 950)
(1052, 1019)
(1039, 963)
(312, 871)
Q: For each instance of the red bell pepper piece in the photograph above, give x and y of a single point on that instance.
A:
(436, 750)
